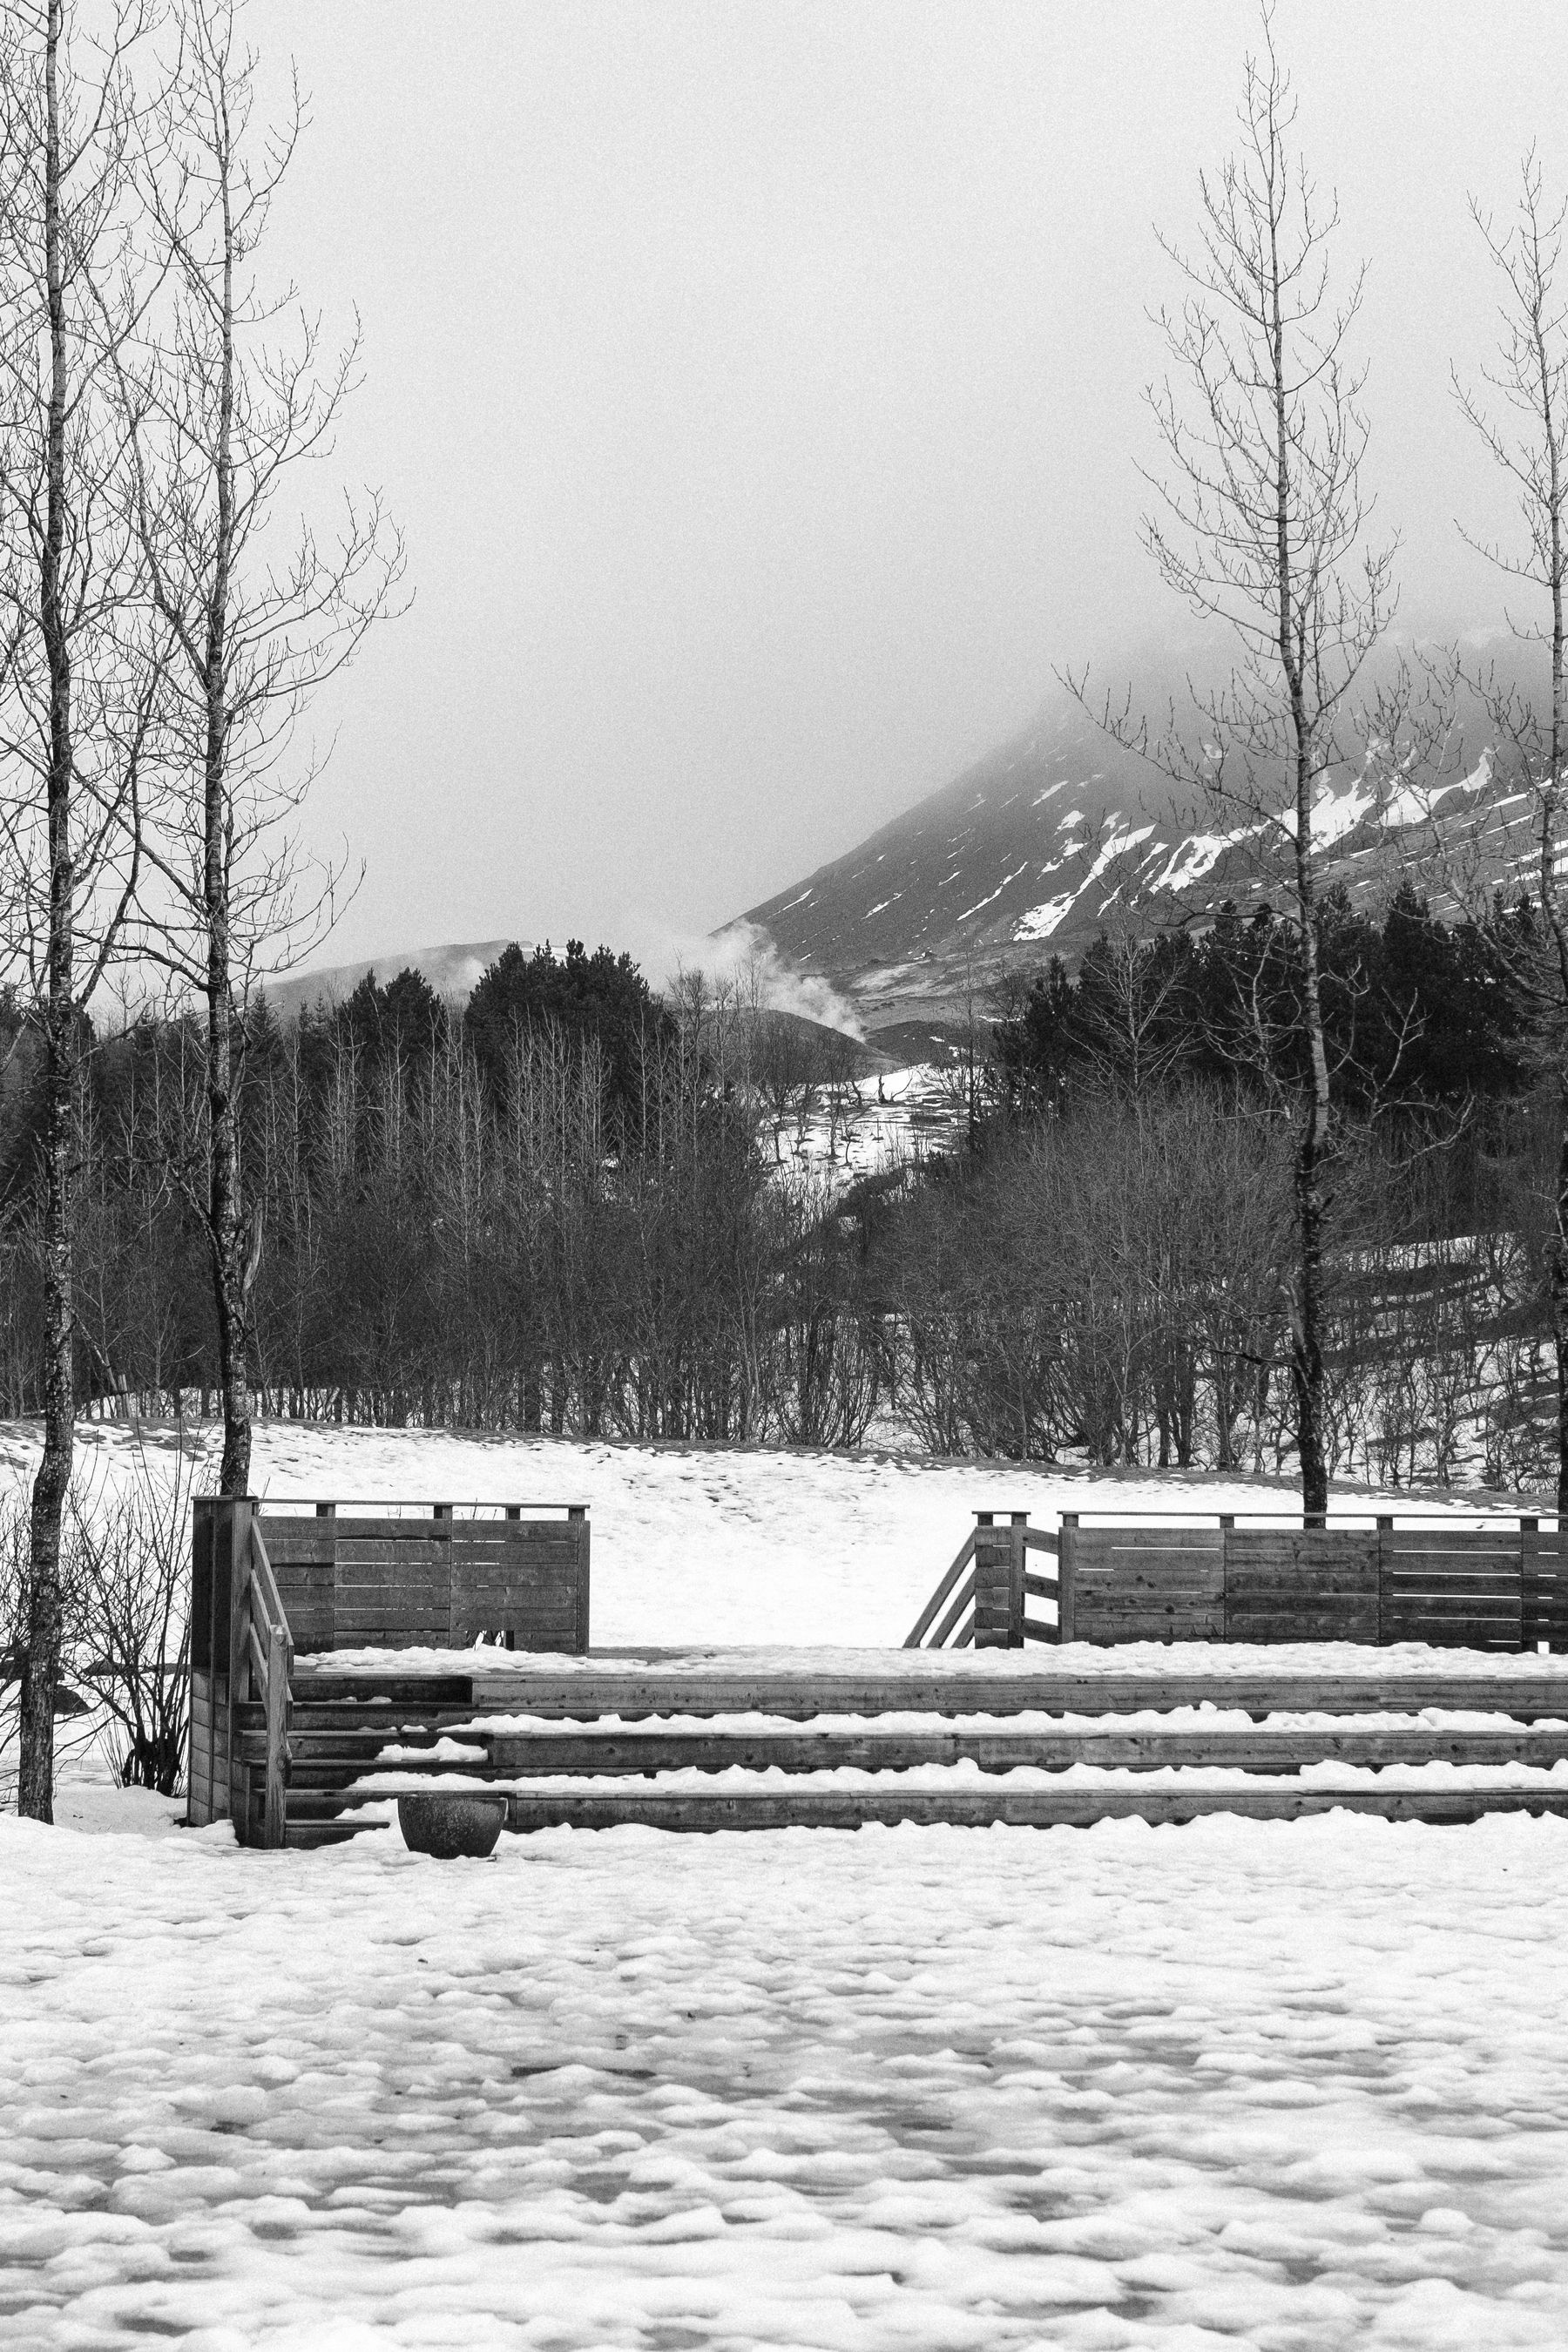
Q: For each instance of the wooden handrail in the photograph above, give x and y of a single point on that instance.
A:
(965, 1598)
(916, 1636)
(276, 1668)
(1023, 1539)
(261, 1573)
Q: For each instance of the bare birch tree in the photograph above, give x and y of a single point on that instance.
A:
(1261, 526)
(78, 685)
(236, 401)
(1526, 439)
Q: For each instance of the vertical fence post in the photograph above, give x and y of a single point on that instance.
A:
(205, 1669)
(279, 1666)
(1384, 1579)
(1066, 1597)
(993, 1582)
(1020, 1521)
(1530, 1614)
(577, 1519)
(231, 1561)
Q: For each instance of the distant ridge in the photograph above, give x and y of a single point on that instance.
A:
(453, 972)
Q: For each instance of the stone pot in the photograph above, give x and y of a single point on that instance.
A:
(448, 1822)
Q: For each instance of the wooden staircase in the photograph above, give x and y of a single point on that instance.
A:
(340, 1724)
(344, 1722)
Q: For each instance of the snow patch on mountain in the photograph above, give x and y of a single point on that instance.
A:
(1042, 920)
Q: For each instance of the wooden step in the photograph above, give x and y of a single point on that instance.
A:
(324, 1804)
(527, 1755)
(356, 1685)
(623, 1754)
(324, 1832)
(306, 1737)
(350, 1721)
(636, 1694)
(1077, 1807)
(319, 1776)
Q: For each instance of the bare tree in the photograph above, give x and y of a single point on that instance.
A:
(79, 674)
(221, 419)
(1529, 377)
(1261, 526)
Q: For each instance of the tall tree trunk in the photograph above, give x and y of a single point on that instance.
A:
(41, 1664)
(1306, 1322)
(235, 1251)
(1550, 899)
(232, 1248)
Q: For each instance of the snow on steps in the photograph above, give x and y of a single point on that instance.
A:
(713, 1741)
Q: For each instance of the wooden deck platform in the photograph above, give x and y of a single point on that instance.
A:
(622, 1723)
(714, 1683)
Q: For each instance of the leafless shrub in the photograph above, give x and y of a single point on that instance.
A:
(130, 1547)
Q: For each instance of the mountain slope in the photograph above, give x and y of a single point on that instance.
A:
(1059, 834)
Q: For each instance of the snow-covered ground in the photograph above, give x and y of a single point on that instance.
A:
(1259, 2086)
(692, 1544)
(1278, 2087)
(844, 1131)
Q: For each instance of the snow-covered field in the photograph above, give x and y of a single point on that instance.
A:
(1240, 2084)
(1260, 2086)
(696, 1545)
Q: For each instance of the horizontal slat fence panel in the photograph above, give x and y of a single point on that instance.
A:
(1544, 1595)
(1456, 1587)
(391, 1591)
(527, 1585)
(1148, 1584)
(1305, 1584)
(301, 1552)
(385, 1581)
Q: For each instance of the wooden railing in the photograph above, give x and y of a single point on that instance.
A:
(995, 1590)
(271, 1661)
(324, 1577)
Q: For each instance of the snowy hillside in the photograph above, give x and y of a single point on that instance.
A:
(694, 1544)
(1058, 833)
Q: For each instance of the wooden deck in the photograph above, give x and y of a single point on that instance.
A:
(358, 1733)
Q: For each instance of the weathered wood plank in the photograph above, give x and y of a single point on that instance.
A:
(637, 1692)
(1150, 1539)
(1438, 1607)
(1102, 1582)
(516, 1755)
(1032, 1809)
(1115, 1628)
(1359, 1581)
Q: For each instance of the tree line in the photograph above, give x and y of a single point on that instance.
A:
(563, 1209)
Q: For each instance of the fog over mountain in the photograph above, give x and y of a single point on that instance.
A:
(1061, 833)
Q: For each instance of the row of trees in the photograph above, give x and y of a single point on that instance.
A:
(527, 1236)
(168, 611)
(525, 1239)
(1262, 527)
(1419, 1016)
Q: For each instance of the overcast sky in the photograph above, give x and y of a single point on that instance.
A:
(759, 389)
